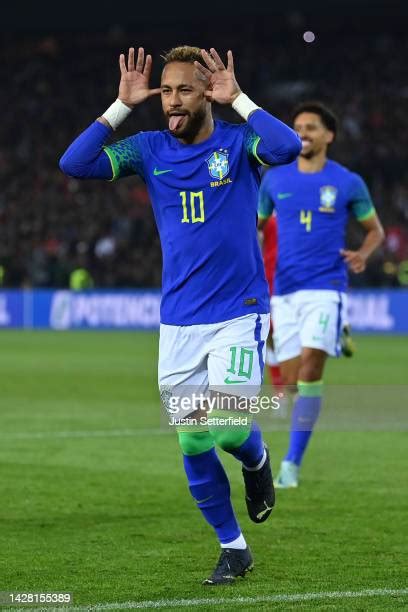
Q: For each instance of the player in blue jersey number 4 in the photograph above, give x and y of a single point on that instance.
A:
(313, 198)
(203, 178)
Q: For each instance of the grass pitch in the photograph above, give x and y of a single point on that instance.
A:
(94, 499)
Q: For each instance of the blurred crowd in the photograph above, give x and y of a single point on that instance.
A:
(54, 86)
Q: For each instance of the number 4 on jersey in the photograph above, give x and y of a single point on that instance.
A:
(306, 219)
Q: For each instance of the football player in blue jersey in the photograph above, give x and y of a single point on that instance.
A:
(313, 198)
(203, 178)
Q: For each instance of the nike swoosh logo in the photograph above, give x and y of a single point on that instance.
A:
(156, 172)
(228, 381)
(260, 514)
(283, 196)
(201, 501)
(318, 338)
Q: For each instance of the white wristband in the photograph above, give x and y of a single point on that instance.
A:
(116, 113)
(244, 105)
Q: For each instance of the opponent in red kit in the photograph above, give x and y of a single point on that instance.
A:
(270, 253)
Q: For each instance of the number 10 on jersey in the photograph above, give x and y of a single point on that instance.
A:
(190, 213)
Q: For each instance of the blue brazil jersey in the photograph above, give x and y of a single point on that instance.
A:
(204, 198)
(312, 211)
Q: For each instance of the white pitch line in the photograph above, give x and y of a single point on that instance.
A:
(284, 598)
(213, 601)
(107, 433)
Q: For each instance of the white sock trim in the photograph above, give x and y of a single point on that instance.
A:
(244, 106)
(116, 113)
(238, 543)
(260, 464)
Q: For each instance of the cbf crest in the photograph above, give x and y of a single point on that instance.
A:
(218, 165)
(328, 195)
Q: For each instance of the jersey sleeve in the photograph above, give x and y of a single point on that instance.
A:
(251, 141)
(84, 158)
(265, 202)
(126, 156)
(361, 204)
(269, 141)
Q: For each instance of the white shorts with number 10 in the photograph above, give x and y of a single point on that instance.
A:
(308, 318)
(216, 355)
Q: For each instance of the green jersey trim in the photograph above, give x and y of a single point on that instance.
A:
(255, 153)
(367, 215)
(114, 164)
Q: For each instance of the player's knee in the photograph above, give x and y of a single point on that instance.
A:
(312, 365)
(289, 379)
(289, 372)
(195, 442)
(310, 371)
(230, 438)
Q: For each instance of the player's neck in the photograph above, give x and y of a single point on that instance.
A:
(314, 164)
(205, 131)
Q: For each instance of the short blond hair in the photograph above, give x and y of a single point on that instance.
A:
(184, 53)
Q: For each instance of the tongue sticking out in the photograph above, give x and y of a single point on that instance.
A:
(175, 121)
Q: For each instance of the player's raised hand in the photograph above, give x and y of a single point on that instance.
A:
(223, 87)
(134, 80)
(355, 260)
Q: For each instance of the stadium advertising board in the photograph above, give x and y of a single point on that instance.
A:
(62, 310)
(369, 310)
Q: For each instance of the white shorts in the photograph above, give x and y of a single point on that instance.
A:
(308, 318)
(224, 356)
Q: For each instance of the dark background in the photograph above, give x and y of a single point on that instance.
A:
(77, 15)
(58, 70)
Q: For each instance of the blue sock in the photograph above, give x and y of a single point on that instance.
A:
(210, 488)
(304, 416)
(252, 450)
